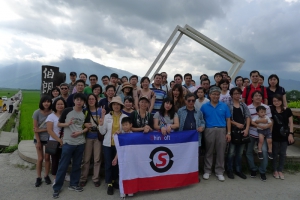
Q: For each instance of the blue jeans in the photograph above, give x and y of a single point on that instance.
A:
(249, 154)
(235, 151)
(74, 152)
(111, 172)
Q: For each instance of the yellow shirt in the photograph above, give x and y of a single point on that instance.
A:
(115, 127)
(1, 102)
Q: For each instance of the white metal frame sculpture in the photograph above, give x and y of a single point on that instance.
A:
(237, 61)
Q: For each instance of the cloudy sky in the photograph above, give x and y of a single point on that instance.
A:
(129, 34)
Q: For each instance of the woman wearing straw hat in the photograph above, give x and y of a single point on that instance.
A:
(126, 90)
(109, 125)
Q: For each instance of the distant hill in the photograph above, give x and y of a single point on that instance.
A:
(27, 75)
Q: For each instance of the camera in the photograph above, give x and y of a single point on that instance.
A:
(94, 129)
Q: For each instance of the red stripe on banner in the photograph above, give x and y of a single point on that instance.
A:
(159, 182)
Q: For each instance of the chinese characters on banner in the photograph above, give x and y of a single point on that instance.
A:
(51, 77)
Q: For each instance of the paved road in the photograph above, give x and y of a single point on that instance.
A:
(5, 115)
(18, 183)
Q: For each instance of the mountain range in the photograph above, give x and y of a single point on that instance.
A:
(27, 74)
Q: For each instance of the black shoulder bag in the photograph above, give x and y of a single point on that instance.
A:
(96, 129)
(237, 136)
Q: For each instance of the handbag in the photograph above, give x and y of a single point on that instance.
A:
(51, 147)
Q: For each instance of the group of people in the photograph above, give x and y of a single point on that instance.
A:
(84, 118)
(3, 105)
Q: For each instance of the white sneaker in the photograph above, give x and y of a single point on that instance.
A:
(122, 195)
(206, 176)
(130, 195)
(53, 182)
(67, 177)
(220, 177)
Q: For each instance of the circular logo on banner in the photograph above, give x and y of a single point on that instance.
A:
(161, 159)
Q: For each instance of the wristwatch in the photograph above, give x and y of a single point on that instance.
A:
(228, 133)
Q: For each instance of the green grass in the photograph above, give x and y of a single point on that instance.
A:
(29, 104)
(8, 92)
(10, 123)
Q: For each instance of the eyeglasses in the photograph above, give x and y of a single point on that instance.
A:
(190, 100)
(64, 88)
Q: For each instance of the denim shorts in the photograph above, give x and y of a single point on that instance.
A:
(266, 132)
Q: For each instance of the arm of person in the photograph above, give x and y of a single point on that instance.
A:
(137, 129)
(103, 126)
(152, 103)
(228, 123)
(284, 101)
(175, 125)
(156, 124)
(248, 121)
(240, 126)
(290, 137)
(115, 160)
(52, 134)
(37, 136)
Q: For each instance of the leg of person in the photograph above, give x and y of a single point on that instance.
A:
(220, 141)
(269, 141)
(54, 164)
(97, 162)
(264, 162)
(275, 150)
(86, 161)
(209, 150)
(250, 159)
(238, 161)
(260, 143)
(282, 156)
(47, 168)
(230, 156)
(76, 171)
(39, 165)
(108, 169)
(66, 155)
(115, 169)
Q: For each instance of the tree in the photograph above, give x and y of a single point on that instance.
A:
(293, 95)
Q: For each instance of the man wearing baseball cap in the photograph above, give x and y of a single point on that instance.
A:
(73, 76)
(217, 117)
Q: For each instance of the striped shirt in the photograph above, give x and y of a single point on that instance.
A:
(253, 113)
(160, 95)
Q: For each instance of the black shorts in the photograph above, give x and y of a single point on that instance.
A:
(43, 142)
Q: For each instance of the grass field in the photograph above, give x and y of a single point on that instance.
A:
(29, 104)
(8, 92)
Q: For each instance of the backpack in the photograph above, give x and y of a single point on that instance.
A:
(248, 88)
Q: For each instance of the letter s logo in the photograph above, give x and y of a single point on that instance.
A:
(162, 159)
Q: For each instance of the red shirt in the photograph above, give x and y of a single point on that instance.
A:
(252, 89)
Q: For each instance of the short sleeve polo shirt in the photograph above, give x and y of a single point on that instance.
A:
(215, 116)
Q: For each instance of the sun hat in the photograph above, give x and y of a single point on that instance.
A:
(126, 85)
(145, 98)
(118, 100)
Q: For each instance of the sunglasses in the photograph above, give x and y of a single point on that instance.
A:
(63, 88)
(190, 100)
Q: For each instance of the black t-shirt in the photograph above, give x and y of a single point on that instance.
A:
(190, 122)
(139, 122)
(279, 90)
(237, 115)
(104, 102)
(284, 116)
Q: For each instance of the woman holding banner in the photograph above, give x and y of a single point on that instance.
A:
(166, 119)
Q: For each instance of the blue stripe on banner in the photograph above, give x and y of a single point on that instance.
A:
(139, 138)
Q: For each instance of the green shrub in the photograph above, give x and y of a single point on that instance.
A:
(294, 104)
(10, 149)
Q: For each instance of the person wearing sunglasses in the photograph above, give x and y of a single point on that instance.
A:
(64, 92)
(190, 118)
(217, 117)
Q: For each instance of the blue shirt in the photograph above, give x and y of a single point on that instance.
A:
(215, 116)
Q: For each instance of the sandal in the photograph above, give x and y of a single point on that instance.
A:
(275, 175)
(97, 184)
(82, 183)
